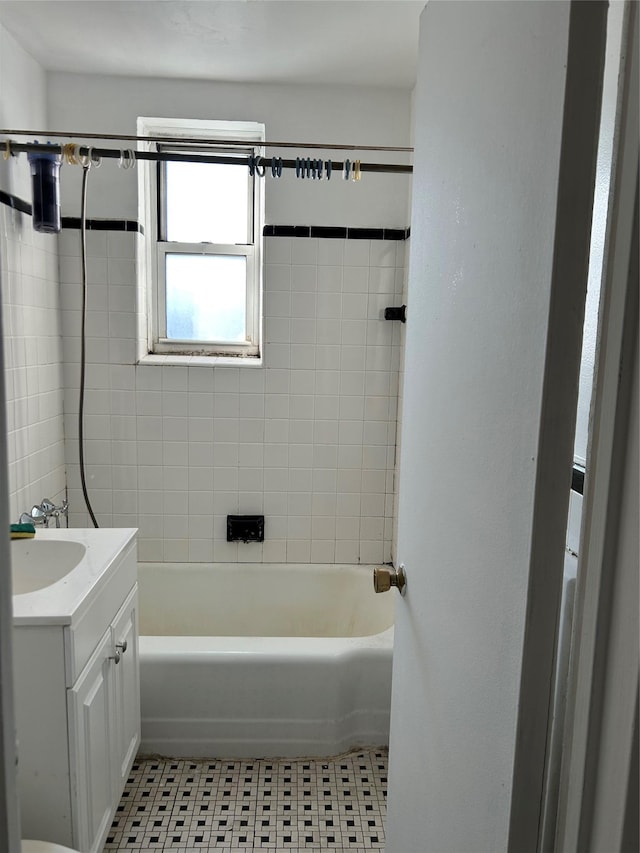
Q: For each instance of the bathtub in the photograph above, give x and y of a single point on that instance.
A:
(253, 660)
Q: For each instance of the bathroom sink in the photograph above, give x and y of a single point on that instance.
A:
(36, 564)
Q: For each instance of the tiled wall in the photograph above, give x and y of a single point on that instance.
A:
(33, 373)
(30, 320)
(308, 439)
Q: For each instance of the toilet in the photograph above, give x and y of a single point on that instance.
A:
(44, 847)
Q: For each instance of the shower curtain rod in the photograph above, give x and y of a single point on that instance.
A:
(116, 154)
(225, 143)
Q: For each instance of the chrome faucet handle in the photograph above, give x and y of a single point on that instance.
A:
(38, 515)
(50, 510)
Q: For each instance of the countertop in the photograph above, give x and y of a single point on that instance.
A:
(66, 600)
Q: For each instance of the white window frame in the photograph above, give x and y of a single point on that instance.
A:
(153, 345)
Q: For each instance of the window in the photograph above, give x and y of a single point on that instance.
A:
(200, 288)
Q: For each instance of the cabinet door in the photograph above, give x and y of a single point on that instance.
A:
(127, 691)
(90, 705)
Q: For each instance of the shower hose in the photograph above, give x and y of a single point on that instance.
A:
(83, 342)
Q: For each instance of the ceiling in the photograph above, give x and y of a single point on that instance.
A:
(367, 42)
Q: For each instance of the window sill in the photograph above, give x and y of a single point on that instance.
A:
(201, 360)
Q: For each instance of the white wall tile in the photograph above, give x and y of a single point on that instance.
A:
(382, 253)
(330, 279)
(304, 278)
(328, 332)
(304, 305)
(322, 551)
(356, 253)
(331, 252)
(277, 277)
(354, 306)
(304, 251)
(298, 551)
(278, 250)
(347, 551)
(326, 407)
(303, 331)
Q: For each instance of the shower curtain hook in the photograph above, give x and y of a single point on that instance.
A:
(329, 167)
(70, 152)
(276, 167)
(85, 159)
(346, 170)
(7, 150)
(259, 166)
(90, 159)
(127, 159)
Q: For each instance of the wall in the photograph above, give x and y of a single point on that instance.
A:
(330, 114)
(309, 439)
(29, 277)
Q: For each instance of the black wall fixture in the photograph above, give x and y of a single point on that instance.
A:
(245, 528)
(396, 313)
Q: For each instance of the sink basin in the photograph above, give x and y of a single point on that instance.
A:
(36, 564)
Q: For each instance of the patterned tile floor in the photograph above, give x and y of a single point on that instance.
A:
(263, 804)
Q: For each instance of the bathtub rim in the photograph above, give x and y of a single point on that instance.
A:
(152, 645)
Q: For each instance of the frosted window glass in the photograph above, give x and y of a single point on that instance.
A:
(206, 297)
(207, 203)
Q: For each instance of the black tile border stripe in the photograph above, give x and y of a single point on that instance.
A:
(328, 231)
(103, 224)
(340, 233)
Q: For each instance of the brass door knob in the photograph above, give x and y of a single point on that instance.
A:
(384, 577)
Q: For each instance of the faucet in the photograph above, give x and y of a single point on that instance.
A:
(43, 512)
(36, 516)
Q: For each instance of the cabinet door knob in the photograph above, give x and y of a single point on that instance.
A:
(121, 648)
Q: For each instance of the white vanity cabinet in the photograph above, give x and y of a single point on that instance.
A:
(78, 706)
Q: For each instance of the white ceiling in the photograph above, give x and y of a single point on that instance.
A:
(367, 42)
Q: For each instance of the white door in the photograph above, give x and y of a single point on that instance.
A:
(497, 274)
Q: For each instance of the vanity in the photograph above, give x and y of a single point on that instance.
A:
(76, 680)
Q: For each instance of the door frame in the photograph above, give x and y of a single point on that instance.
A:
(602, 722)
(9, 815)
(576, 183)
(600, 567)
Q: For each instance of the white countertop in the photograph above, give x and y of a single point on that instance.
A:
(66, 600)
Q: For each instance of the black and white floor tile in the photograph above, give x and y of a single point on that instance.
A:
(245, 804)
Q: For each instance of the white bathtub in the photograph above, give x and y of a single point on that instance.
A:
(252, 660)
